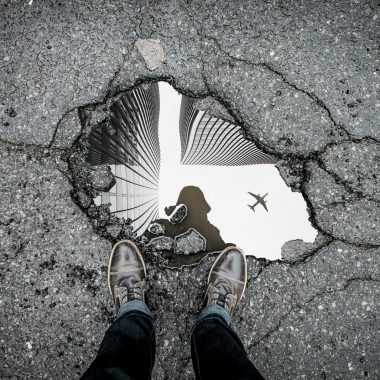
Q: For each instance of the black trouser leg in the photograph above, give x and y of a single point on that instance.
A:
(218, 353)
(127, 350)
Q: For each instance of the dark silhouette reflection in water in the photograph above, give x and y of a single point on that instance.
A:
(197, 210)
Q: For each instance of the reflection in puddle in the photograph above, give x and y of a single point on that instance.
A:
(202, 157)
(128, 141)
(207, 140)
(226, 188)
(188, 227)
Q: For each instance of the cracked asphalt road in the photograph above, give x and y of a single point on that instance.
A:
(301, 77)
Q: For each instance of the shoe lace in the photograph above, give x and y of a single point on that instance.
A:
(131, 293)
(220, 299)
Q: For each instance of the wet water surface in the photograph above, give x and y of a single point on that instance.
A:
(196, 176)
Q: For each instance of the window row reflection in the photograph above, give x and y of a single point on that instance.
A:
(128, 142)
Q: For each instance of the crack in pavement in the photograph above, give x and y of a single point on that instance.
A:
(270, 67)
(340, 181)
(299, 307)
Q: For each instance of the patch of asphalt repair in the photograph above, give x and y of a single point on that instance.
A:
(313, 314)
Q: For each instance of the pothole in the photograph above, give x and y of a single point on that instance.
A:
(178, 176)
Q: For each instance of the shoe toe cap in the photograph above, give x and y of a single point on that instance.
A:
(233, 264)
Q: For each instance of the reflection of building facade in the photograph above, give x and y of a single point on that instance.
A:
(207, 140)
(129, 144)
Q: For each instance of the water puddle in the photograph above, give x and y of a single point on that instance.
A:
(190, 182)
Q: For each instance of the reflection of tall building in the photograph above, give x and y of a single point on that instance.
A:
(129, 144)
(207, 140)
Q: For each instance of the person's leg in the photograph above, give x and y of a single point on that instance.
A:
(128, 348)
(216, 350)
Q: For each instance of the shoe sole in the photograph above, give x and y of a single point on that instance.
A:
(129, 242)
(245, 267)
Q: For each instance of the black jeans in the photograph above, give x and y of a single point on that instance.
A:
(128, 348)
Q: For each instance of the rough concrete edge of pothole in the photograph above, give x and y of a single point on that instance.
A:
(100, 217)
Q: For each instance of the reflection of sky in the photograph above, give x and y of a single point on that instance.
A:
(225, 189)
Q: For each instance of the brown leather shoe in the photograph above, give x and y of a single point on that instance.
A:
(126, 273)
(227, 279)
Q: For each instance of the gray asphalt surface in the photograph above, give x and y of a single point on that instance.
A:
(301, 77)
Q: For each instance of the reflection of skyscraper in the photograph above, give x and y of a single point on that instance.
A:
(129, 144)
(207, 140)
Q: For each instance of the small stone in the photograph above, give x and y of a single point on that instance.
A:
(156, 229)
(102, 178)
(189, 242)
(152, 52)
(162, 243)
(179, 214)
(114, 230)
